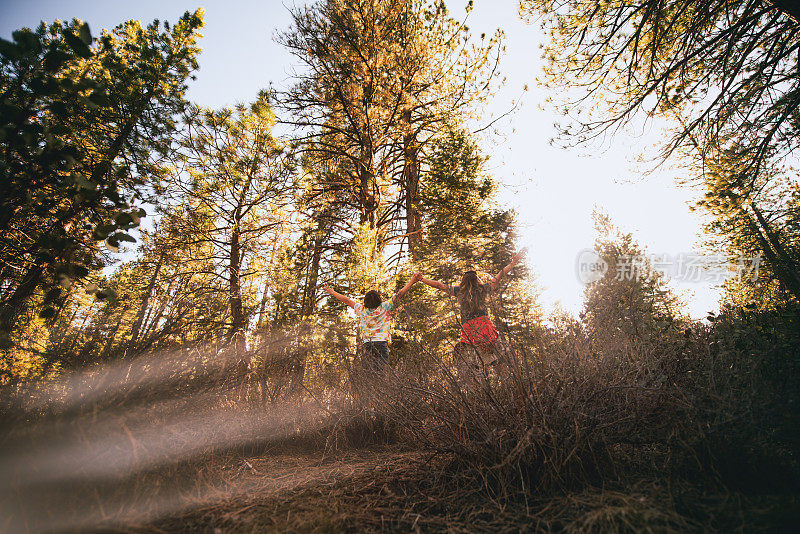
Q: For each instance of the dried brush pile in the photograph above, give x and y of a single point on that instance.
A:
(690, 429)
(698, 409)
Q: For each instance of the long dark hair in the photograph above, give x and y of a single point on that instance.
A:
(471, 293)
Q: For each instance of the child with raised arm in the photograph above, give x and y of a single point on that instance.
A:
(374, 320)
(477, 329)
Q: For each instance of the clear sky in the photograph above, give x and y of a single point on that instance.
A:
(554, 190)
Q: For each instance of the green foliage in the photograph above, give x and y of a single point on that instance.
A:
(462, 227)
(241, 243)
(236, 180)
(83, 124)
(724, 74)
(759, 220)
(383, 78)
(208, 268)
(724, 70)
(743, 373)
(631, 304)
(365, 265)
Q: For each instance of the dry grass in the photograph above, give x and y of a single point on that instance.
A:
(668, 435)
(385, 491)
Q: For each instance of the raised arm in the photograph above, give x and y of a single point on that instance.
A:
(504, 271)
(414, 279)
(338, 296)
(436, 285)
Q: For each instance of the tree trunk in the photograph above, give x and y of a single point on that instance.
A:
(311, 284)
(411, 184)
(367, 200)
(235, 289)
(303, 336)
(113, 335)
(137, 325)
(13, 307)
(262, 309)
(59, 346)
(785, 268)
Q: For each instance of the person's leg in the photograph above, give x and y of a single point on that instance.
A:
(502, 363)
(376, 355)
(466, 358)
(368, 354)
(487, 355)
(461, 351)
(382, 352)
(378, 365)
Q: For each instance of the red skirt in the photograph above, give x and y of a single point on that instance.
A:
(479, 332)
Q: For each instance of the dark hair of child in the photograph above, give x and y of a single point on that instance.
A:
(372, 299)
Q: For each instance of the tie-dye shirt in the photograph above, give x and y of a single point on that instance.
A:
(375, 323)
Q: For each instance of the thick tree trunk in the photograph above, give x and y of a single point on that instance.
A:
(313, 274)
(235, 288)
(368, 202)
(411, 184)
(236, 333)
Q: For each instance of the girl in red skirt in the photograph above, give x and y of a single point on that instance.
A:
(477, 330)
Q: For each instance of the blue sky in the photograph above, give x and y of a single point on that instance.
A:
(554, 190)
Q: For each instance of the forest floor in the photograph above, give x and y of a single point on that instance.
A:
(313, 492)
(387, 489)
